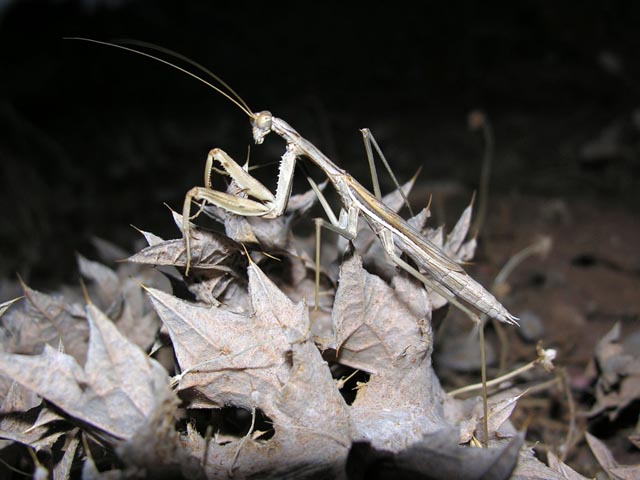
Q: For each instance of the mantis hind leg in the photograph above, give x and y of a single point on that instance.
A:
(386, 237)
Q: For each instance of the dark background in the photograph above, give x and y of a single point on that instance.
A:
(93, 139)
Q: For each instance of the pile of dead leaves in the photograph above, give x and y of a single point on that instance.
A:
(230, 372)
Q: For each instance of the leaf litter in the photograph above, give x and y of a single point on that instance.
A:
(75, 375)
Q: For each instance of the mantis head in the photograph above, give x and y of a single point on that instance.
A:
(261, 123)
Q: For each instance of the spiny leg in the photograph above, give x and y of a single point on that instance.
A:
(244, 180)
(231, 203)
(268, 206)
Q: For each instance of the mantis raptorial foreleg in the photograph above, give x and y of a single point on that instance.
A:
(265, 205)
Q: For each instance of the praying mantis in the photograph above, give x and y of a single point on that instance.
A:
(443, 274)
(434, 268)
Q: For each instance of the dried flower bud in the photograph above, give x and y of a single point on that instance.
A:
(476, 120)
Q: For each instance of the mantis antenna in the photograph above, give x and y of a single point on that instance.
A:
(230, 95)
(185, 59)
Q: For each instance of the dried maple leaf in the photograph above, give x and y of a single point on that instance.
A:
(454, 245)
(500, 408)
(156, 449)
(436, 455)
(259, 359)
(209, 342)
(374, 327)
(108, 252)
(120, 296)
(104, 279)
(21, 427)
(62, 469)
(210, 250)
(530, 468)
(151, 238)
(138, 321)
(45, 319)
(385, 331)
(118, 387)
(18, 399)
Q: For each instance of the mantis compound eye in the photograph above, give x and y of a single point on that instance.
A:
(263, 120)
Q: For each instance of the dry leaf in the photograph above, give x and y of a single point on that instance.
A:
(46, 416)
(4, 306)
(454, 246)
(299, 204)
(119, 295)
(500, 408)
(210, 250)
(105, 280)
(19, 399)
(155, 450)
(107, 251)
(46, 319)
(374, 328)
(62, 470)
(618, 383)
(259, 359)
(435, 456)
(210, 341)
(609, 464)
(530, 468)
(115, 391)
(19, 427)
(385, 331)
